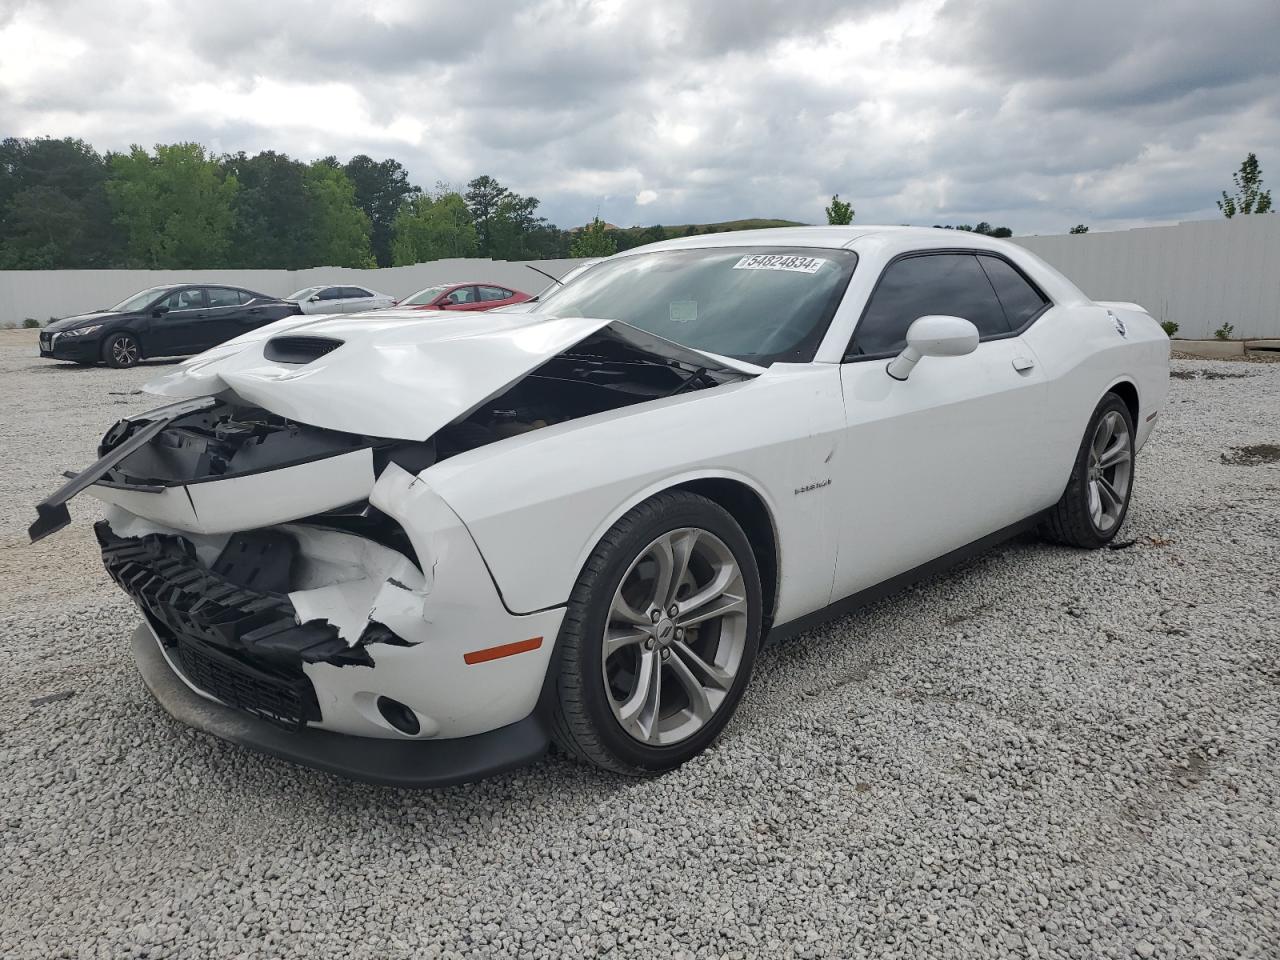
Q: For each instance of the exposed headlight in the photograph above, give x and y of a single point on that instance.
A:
(82, 331)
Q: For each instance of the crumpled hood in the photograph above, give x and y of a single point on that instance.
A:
(396, 374)
(79, 320)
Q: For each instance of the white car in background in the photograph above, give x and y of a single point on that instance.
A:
(417, 553)
(336, 298)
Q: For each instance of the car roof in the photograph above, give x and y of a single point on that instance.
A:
(467, 283)
(830, 237)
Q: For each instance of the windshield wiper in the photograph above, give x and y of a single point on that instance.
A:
(545, 274)
(699, 374)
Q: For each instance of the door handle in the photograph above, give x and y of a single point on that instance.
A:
(1023, 364)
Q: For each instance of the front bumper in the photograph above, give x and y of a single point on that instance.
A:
(80, 349)
(397, 763)
(327, 657)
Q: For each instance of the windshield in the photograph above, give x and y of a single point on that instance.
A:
(759, 304)
(138, 300)
(424, 297)
(303, 293)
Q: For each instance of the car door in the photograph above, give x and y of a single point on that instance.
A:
(462, 298)
(358, 298)
(329, 300)
(948, 456)
(225, 317)
(490, 296)
(177, 330)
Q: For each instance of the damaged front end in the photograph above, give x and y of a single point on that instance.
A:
(299, 570)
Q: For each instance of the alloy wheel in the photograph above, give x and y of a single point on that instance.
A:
(125, 351)
(675, 636)
(1110, 468)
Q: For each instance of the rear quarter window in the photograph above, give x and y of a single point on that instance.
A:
(1021, 300)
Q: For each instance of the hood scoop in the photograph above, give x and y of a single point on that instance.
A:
(299, 349)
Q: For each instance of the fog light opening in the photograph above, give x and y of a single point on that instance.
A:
(399, 716)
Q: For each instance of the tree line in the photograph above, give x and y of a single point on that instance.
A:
(65, 205)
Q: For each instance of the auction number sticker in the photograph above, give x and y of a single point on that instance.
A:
(775, 261)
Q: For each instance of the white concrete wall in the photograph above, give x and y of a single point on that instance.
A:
(1199, 274)
(42, 294)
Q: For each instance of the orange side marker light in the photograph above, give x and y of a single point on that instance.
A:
(503, 650)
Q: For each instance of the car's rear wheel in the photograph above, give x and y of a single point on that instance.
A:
(1096, 500)
(121, 350)
(659, 637)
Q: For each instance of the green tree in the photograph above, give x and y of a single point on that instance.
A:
(432, 227)
(382, 187)
(546, 241)
(176, 209)
(591, 241)
(336, 231)
(839, 213)
(1250, 197)
(512, 226)
(987, 230)
(271, 209)
(54, 211)
(982, 227)
(1079, 228)
(483, 196)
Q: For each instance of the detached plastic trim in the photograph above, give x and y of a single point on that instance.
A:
(393, 763)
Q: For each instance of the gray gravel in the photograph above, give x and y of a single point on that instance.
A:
(1047, 753)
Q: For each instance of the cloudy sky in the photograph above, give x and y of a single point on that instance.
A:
(1033, 114)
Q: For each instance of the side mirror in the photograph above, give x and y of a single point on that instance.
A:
(159, 312)
(934, 336)
(314, 298)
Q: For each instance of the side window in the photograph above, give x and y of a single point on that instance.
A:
(332, 293)
(222, 297)
(493, 293)
(356, 293)
(462, 295)
(191, 298)
(953, 284)
(1021, 301)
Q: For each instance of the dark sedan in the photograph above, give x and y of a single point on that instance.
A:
(168, 321)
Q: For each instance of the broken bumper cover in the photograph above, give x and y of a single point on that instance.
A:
(397, 763)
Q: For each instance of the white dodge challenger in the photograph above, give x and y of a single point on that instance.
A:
(418, 553)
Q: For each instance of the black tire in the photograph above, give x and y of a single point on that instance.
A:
(1071, 521)
(121, 350)
(583, 721)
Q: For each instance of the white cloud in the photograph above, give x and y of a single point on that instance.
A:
(646, 197)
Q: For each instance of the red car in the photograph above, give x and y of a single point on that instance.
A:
(463, 296)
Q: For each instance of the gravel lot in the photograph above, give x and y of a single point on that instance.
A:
(1044, 753)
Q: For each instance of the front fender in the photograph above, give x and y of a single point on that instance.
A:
(538, 504)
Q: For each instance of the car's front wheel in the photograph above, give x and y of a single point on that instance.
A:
(1096, 500)
(659, 637)
(121, 350)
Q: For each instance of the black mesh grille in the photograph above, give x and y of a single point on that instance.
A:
(299, 349)
(289, 702)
